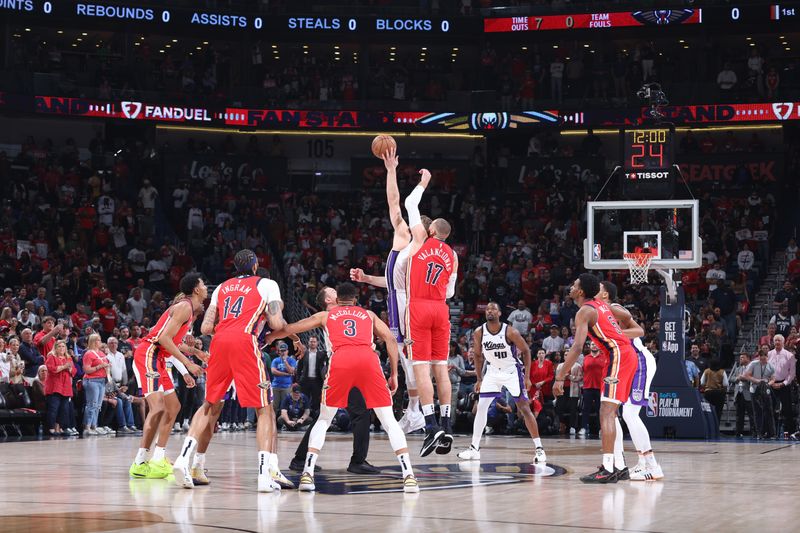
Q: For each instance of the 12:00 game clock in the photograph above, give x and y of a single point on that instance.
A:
(647, 159)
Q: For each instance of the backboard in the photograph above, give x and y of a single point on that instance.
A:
(667, 228)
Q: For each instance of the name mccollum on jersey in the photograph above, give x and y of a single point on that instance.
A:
(357, 313)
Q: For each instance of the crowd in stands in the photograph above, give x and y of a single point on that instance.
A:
(92, 253)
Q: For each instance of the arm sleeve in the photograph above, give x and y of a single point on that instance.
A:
(412, 206)
(451, 284)
(725, 381)
(269, 290)
(178, 365)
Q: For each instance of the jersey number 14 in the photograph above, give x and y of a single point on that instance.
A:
(234, 310)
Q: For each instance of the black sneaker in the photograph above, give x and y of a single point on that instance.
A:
(363, 468)
(432, 439)
(445, 444)
(623, 475)
(601, 476)
(297, 466)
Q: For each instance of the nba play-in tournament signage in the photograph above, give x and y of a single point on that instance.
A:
(675, 408)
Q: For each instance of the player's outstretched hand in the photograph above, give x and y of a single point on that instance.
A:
(528, 384)
(357, 275)
(558, 388)
(477, 388)
(392, 381)
(390, 159)
(189, 380)
(195, 370)
(203, 356)
(425, 177)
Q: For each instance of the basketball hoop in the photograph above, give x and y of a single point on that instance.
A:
(639, 265)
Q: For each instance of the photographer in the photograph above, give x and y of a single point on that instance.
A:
(295, 410)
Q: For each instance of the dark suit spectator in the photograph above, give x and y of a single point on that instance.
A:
(30, 355)
(311, 371)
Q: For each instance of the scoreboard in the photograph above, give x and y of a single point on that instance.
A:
(647, 161)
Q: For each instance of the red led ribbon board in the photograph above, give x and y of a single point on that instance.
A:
(587, 21)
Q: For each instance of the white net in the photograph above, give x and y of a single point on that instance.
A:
(639, 265)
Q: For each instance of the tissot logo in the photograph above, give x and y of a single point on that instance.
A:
(782, 110)
(131, 110)
(648, 175)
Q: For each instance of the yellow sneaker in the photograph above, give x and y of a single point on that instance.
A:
(410, 485)
(159, 469)
(140, 471)
(199, 476)
(280, 479)
(306, 483)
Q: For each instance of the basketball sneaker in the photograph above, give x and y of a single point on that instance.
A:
(199, 476)
(431, 442)
(624, 474)
(306, 483)
(470, 454)
(160, 469)
(601, 476)
(445, 444)
(266, 484)
(183, 475)
(140, 470)
(410, 484)
(416, 421)
(647, 473)
(280, 479)
(539, 457)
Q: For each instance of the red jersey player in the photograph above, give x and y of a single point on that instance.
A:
(353, 364)
(149, 366)
(596, 320)
(432, 274)
(233, 317)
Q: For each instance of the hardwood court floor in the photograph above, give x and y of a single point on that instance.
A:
(83, 485)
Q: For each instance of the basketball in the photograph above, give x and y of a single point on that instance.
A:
(381, 144)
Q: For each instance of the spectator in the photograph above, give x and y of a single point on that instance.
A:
(45, 340)
(768, 339)
(785, 365)
(58, 388)
(715, 381)
(692, 372)
(500, 417)
(283, 369)
(30, 355)
(521, 318)
(594, 368)
(782, 320)
(553, 343)
(742, 398)
(726, 81)
(760, 373)
(295, 410)
(787, 295)
(714, 275)
(137, 305)
(725, 299)
(542, 375)
(95, 368)
(567, 404)
(38, 394)
(311, 371)
(456, 370)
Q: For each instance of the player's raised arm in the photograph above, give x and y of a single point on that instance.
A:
(477, 352)
(178, 315)
(586, 316)
(383, 331)
(316, 320)
(514, 336)
(401, 231)
(358, 275)
(418, 233)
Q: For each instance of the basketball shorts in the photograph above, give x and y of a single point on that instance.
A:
(510, 377)
(355, 368)
(396, 310)
(622, 365)
(427, 330)
(643, 377)
(236, 359)
(150, 369)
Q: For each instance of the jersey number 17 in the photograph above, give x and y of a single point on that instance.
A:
(433, 273)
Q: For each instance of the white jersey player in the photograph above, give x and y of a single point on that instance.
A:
(498, 344)
(394, 281)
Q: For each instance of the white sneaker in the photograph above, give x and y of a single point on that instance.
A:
(108, 430)
(306, 483)
(224, 426)
(404, 422)
(410, 485)
(183, 475)
(100, 430)
(470, 454)
(582, 433)
(539, 457)
(267, 484)
(571, 431)
(185, 427)
(646, 473)
(90, 431)
(281, 480)
(176, 427)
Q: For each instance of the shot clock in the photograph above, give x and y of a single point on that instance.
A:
(647, 159)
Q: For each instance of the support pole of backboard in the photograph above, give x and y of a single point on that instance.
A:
(670, 283)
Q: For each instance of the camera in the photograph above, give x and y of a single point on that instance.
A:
(655, 98)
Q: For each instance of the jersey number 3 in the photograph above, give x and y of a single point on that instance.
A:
(233, 310)
(434, 271)
(350, 328)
